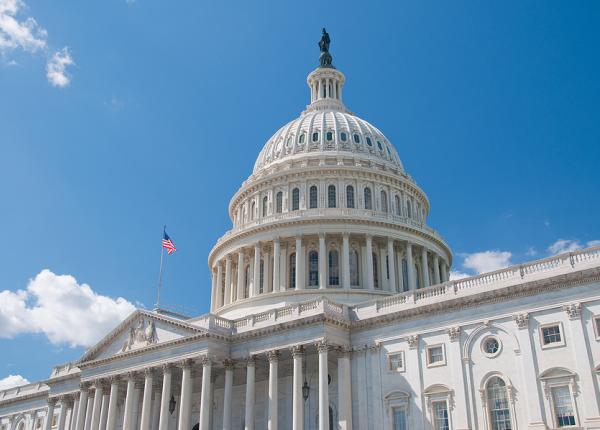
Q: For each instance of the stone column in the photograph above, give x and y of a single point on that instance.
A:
(228, 391)
(228, 279)
(104, 411)
(128, 414)
(410, 267)
(256, 286)
(111, 421)
(147, 399)
(531, 397)
(322, 347)
(240, 277)
(219, 285)
(88, 413)
(213, 290)
(344, 389)
(445, 277)
(266, 271)
(205, 404)
(62, 414)
(273, 357)
(297, 400)
(299, 261)
(73, 422)
(250, 392)
(584, 367)
(425, 267)
(99, 392)
(322, 261)
(391, 261)
(346, 260)
(436, 270)
(370, 283)
(49, 414)
(276, 257)
(461, 420)
(83, 400)
(155, 415)
(185, 398)
(399, 272)
(163, 423)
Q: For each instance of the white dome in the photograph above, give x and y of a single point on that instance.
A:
(332, 130)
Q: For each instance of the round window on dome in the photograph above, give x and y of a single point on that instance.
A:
(356, 138)
(369, 141)
(491, 346)
(315, 137)
(343, 136)
(329, 136)
(379, 146)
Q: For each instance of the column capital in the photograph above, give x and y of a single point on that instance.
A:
(522, 320)
(297, 351)
(205, 361)
(167, 368)
(114, 379)
(413, 341)
(321, 235)
(83, 387)
(229, 364)
(186, 363)
(131, 376)
(251, 361)
(322, 346)
(276, 239)
(52, 401)
(149, 371)
(273, 355)
(453, 333)
(573, 310)
(344, 351)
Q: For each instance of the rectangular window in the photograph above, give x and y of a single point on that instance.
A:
(597, 327)
(399, 419)
(435, 355)
(563, 407)
(396, 362)
(551, 335)
(440, 416)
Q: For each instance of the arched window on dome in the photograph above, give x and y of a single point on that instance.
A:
(261, 281)
(343, 136)
(398, 205)
(408, 209)
(313, 268)
(246, 282)
(295, 199)
(375, 271)
(265, 202)
(350, 197)
(292, 272)
(315, 136)
(302, 138)
(384, 202)
(279, 202)
(369, 141)
(252, 210)
(313, 197)
(498, 404)
(334, 268)
(331, 198)
(356, 138)
(368, 201)
(329, 136)
(354, 271)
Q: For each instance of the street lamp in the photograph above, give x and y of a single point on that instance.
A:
(305, 390)
(172, 405)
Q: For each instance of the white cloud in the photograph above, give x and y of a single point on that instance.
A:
(455, 275)
(531, 252)
(487, 261)
(570, 245)
(62, 309)
(16, 32)
(12, 381)
(55, 69)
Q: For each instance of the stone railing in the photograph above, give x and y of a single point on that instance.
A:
(551, 266)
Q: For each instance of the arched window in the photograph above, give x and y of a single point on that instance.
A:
(252, 209)
(329, 136)
(265, 202)
(292, 279)
(313, 268)
(331, 196)
(295, 199)
(343, 136)
(315, 136)
(350, 196)
(369, 141)
(262, 277)
(408, 209)
(354, 273)
(384, 202)
(356, 138)
(368, 202)
(247, 281)
(334, 268)
(279, 202)
(498, 404)
(375, 272)
(398, 205)
(301, 139)
(313, 198)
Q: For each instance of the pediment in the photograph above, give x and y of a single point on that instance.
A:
(140, 330)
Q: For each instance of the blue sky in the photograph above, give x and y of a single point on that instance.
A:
(117, 117)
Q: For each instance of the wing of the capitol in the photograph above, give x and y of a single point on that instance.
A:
(332, 308)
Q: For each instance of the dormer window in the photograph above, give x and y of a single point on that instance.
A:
(343, 136)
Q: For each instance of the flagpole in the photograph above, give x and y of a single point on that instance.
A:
(160, 273)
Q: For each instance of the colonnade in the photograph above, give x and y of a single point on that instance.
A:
(95, 406)
(337, 260)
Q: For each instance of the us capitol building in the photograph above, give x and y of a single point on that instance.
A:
(332, 308)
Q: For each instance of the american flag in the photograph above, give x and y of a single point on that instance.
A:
(168, 244)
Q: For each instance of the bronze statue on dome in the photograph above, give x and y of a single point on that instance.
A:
(325, 57)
